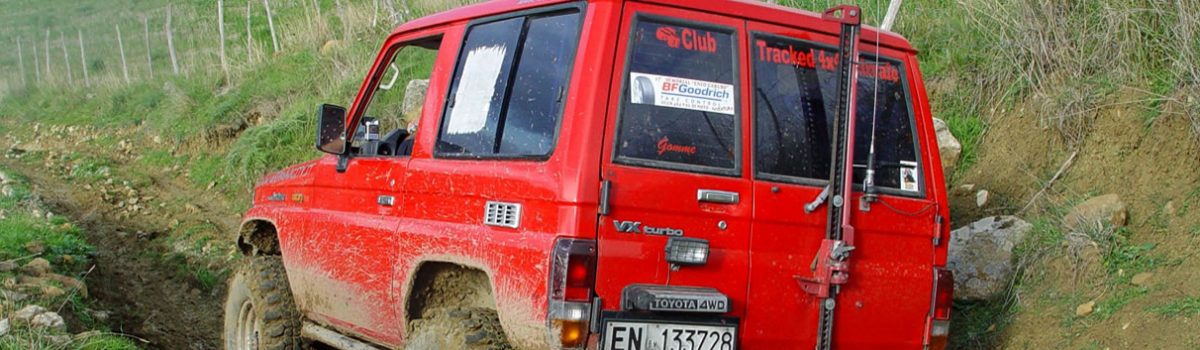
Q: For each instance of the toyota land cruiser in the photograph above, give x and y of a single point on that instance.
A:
(608, 174)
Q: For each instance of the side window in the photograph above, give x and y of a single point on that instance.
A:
(395, 104)
(510, 86)
(795, 89)
(679, 109)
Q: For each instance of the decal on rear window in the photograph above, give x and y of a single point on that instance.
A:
(683, 93)
(682, 107)
(795, 94)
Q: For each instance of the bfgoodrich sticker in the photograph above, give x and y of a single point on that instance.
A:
(674, 92)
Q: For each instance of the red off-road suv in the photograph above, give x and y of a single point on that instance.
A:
(606, 174)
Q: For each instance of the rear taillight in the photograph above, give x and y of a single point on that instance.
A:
(572, 276)
(943, 300)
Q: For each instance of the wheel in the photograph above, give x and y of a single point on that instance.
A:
(471, 328)
(260, 313)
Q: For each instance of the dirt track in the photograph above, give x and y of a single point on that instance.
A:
(148, 295)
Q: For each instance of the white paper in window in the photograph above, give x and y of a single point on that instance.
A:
(473, 100)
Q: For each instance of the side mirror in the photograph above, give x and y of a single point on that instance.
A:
(331, 129)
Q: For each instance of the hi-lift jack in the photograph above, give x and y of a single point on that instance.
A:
(830, 266)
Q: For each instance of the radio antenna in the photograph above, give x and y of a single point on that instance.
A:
(870, 193)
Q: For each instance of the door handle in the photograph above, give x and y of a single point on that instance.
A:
(719, 197)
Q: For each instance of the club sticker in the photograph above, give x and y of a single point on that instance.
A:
(908, 179)
(673, 92)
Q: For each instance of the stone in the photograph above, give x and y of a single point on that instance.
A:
(948, 145)
(60, 340)
(100, 315)
(1107, 211)
(4, 327)
(37, 267)
(49, 291)
(48, 319)
(1141, 279)
(35, 247)
(1085, 308)
(981, 256)
(8, 266)
(13, 296)
(414, 99)
(7, 191)
(27, 313)
(981, 198)
(70, 283)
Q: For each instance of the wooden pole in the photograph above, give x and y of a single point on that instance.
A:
(37, 65)
(892, 11)
(375, 14)
(87, 81)
(66, 57)
(47, 56)
(221, 31)
(250, 33)
(170, 42)
(271, 25)
(21, 61)
(149, 58)
(341, 10)
(121, 45)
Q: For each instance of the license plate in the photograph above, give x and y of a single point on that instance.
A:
(625, 335)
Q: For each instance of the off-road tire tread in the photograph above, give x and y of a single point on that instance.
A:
(272, 298)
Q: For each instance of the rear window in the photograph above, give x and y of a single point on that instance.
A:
(679, 108)
(795, 94)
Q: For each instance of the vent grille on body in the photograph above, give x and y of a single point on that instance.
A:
(502, 214)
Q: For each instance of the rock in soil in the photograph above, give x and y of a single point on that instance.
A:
(1085, 309)
(8, 266)
(948, 145)
(1107, 210)
(36, 267)
(48, 319)
(4, 327)
(35, 247)
(981, 198)
(1142, 279)
(981, 256)
(27, 313)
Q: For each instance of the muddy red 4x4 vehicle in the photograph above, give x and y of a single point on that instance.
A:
(656, 174)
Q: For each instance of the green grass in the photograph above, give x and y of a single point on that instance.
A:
(1183, 307)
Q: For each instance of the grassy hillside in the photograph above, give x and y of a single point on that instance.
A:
(1023, 84)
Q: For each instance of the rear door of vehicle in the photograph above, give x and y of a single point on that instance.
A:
(884, 305)
(676, 130)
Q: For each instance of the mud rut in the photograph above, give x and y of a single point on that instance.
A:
(148, 296)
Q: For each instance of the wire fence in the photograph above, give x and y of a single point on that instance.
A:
(95, 46)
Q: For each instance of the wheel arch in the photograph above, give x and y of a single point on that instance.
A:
(258, 237)
(429, 279)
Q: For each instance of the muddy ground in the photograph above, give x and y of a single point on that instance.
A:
(149, 293)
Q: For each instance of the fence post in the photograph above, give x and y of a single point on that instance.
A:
(149, 58)
(250, 33)
(66, 57)
(375, 14)
(37, 65)
(83, 59)
(170, 42)
(47, 56)
(121, 45)
(21, 61)
(345, 25)
(221, 31)
(271, 25)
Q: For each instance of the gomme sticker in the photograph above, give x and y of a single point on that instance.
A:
(908, 179)
(682, 93)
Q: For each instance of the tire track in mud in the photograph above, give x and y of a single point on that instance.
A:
(148, 296)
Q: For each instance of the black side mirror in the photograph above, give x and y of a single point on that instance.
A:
(331, 129)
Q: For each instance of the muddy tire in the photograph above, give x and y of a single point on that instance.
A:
(260, 313)
(472, 328)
